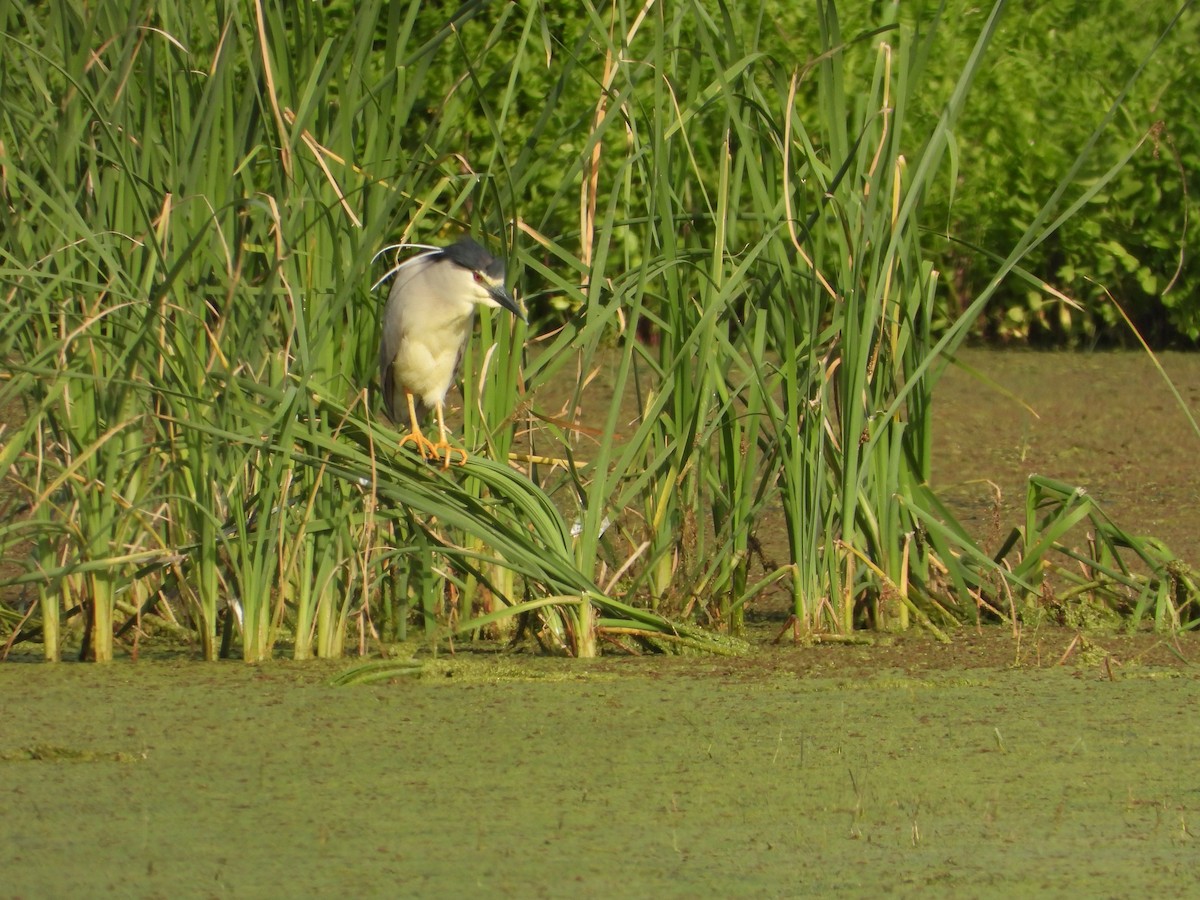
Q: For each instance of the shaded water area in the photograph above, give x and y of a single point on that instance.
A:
(1106, 422)
(1009, 763)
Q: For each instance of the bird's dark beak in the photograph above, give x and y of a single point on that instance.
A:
(501, 295)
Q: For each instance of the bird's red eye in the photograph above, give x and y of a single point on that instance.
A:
(479, 278)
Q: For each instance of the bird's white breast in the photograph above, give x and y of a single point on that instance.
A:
(429, 336)
(427, 358)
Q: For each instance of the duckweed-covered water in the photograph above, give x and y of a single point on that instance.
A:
(487, 777)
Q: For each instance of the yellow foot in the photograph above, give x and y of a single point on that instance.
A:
(432, 450)
(445, 447)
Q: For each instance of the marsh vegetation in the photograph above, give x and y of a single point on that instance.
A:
(727, 225)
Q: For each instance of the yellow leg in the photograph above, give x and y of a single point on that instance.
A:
(444, 445)
(423, 445)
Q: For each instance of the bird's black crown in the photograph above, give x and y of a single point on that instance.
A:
(470, 256)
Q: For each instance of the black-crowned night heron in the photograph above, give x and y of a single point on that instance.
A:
(426, 325)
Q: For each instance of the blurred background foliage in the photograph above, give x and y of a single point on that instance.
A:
(1053, 69)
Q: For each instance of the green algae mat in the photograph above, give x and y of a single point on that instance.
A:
(1054, 766)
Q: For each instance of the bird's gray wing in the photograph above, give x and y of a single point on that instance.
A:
(391, 328)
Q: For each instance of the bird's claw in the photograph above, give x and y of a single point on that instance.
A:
(446, 447)
(434, 450)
